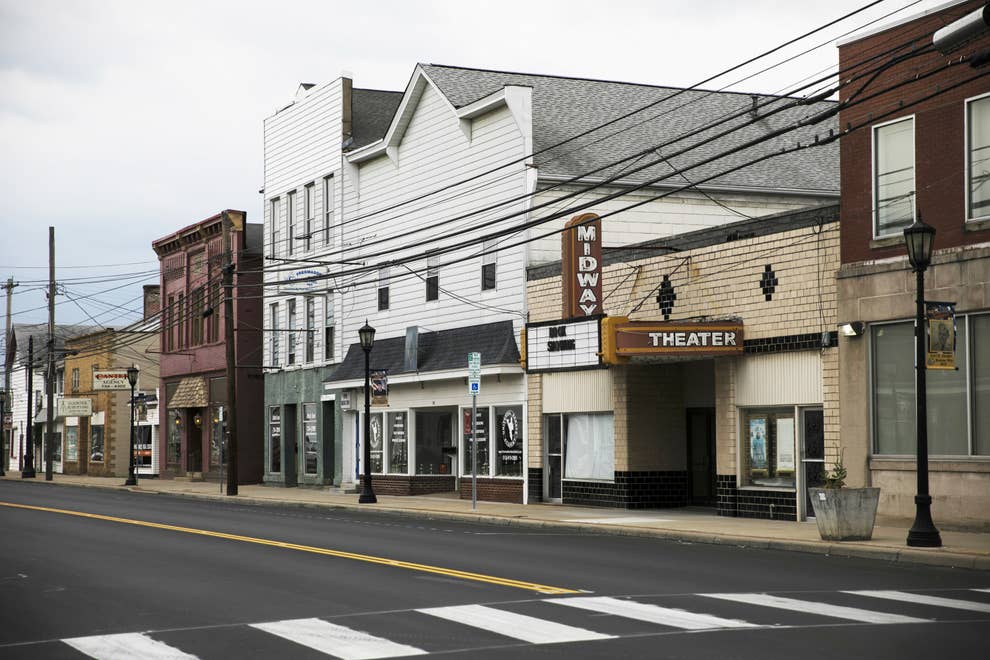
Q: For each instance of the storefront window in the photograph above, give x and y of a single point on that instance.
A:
(435, 449)
(310, 446)
(589, 446)
(481, 429)
(57, 447)
(894, 401)
(509, 441)
(275, 439)
(96, 443)
(142, 446)
(217, 428)
(398, 447)
(768, 448)
(173, 452)
(71, 443)
(377, 432)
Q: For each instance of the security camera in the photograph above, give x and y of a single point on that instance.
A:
(958, 33)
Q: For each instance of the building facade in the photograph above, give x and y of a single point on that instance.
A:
(193, 385)
(917, 150)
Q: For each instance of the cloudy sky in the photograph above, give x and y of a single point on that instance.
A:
(124, 120)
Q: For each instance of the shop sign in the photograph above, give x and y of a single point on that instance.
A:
(581, 261)
(941, 353)
(379, 387)
(623, 338)
(304, 280)
(82, 407)
(110, 379)
(563, 344)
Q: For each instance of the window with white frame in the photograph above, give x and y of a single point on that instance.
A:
(273, 335)
(958, 401)
(488, 261)
(893, 177)
(328, 205)
(978, 158)
(274, 233)
(397, 445)
(328, 327)
(291, 326)
(432, 277)
(290, 221)
(309, 213)
(383, 282)
(310, 327)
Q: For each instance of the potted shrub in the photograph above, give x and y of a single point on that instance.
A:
(844, 514)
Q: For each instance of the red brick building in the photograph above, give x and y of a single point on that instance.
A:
(917, 143)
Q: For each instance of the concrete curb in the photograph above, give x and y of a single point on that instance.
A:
(853, 550)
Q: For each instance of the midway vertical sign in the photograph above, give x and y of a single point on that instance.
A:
(581, 261)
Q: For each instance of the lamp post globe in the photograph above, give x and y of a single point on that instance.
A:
(367, 337)
(919, 239)
(132, 377)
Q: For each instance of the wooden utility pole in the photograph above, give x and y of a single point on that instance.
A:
(9, 286)
(230, 411)
(28, 471)
(50, 370)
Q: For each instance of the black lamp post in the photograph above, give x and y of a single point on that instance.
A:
(132, 376)
(919, 238)
(367, 336)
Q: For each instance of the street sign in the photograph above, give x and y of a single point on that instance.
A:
(474, 373)
(81, 407)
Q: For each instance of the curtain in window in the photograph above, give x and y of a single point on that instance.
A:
(589, 451)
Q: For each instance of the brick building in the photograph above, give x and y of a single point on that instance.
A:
(713, 379)
(917, 148)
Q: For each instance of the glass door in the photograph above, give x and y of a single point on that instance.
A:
(813, 456)
(554, 459)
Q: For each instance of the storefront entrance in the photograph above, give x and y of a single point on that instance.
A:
(701, 456)
(813, 454)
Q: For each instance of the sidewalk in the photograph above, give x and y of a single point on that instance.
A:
(960, 549)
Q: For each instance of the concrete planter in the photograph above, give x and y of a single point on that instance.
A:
(845, 514)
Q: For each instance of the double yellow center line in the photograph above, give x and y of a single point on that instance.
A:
(341, 554)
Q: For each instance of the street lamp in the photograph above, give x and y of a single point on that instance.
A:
(919, 238)
(132, 376)
(367, 336)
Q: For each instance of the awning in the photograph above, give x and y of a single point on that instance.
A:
(191, 393)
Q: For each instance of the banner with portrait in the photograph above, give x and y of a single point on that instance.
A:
(940, 318)
(379, 387)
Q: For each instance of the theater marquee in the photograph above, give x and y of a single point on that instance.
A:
(623, 339)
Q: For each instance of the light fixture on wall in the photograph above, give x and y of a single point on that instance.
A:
(852, 328)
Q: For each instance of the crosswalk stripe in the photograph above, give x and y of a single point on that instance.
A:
(926, 600)
(810, 607)
(518, 626)
(126, 645)
(651, 613)
(335, 640)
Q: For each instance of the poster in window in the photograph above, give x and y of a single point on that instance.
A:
(310, 443)
(375, 440)
(275, 438)
(510, 441)
(481, 436)
(379, 387)
(398, 458)
(785, 444)
(941, 352)
(758, 443)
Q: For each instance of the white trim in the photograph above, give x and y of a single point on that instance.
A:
(966, 155)
(588, 180)
(873, 172)
(422, 377)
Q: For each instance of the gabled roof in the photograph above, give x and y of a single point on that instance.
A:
(565, 107)
(371, 113)
(17, 343)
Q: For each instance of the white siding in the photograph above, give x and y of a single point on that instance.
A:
(578, 391)
(779, 379)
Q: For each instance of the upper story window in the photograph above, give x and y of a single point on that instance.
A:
(275, 235)
(383, 279)
(291, 326)
(327, 208)
(978, 158)
(893, 177)
(290, 221)
(170, 324)
(274, 335)
(328, 323)
(433, 277)
(75, 380)
(309, 213)
(488, 261)
(310, 327)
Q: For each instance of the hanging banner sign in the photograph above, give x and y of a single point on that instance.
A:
(581, 266)
(379, 387)
(941, 318)
(111, 379)
(75, 407)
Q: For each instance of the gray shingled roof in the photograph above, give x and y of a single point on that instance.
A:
(564, 107)
(371, 113)
(22, 331)
(438, 351)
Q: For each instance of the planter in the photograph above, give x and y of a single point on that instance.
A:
(845, 514)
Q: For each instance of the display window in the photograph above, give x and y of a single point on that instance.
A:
(508, 436)
(769, 446)
(480, 439)
(310, 443)
(275, 439)
(397, 442)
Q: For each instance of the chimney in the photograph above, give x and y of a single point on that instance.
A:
(152, 300)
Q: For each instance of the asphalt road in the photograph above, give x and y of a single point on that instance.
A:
(142, 575)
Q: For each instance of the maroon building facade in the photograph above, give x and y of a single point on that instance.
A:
(916, 144)
(193, 348)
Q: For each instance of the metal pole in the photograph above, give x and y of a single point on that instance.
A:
(131, 478)
(367, 492)
(50, 425)
(474, 451)
(923, 532)
(228, 328)
(28, 471)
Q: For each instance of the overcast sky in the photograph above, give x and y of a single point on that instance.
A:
(124, 120)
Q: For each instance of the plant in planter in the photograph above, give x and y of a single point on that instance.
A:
(844, 514)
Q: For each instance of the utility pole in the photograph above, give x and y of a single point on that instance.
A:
(9, 286)
(50, 426)
(28, 471)
(228, 330)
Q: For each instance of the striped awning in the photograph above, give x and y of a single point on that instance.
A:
(191, 393)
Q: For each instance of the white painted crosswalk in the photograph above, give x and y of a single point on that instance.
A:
(581, 619)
